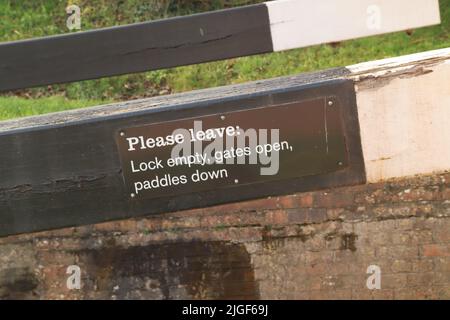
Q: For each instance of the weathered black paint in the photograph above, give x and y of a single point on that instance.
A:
(64, 169)
(135, 48)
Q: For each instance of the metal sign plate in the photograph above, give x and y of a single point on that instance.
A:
(233, 149)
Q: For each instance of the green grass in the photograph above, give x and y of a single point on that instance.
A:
(13, 107)
(32, 18)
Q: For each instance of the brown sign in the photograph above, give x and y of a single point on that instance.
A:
(222, 151)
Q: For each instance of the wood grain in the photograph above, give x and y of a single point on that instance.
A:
(135, 48)
(63, 169)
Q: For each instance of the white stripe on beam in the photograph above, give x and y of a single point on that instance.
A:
(301, 23)
(404, 114)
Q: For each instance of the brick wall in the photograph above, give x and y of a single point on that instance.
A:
(311, 245)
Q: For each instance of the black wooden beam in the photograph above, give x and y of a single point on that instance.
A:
(243, 31)
(64, 169)
(134, 48)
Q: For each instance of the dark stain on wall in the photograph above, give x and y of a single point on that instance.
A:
(185, 270)
(348, 241)
(17, 283)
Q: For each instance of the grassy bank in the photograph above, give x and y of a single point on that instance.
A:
(32, 18)
(13, 107)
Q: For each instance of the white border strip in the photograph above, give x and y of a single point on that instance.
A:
(301, 23)
(404, 114)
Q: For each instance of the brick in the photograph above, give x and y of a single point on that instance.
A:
(315, 243)
(258, 204)
(223, 220)
(335, 213)
(361, 294)
(313, 269)
(398, 252)
(343, 294)
(187, 213)
(333, 199)
(65, 232)
(419, 194)
(441, 234)
(311, 257)
(414, 294)
(356, 279)
(346, 268)
(333, 241)
(443, 292)
(445, 194)
(382, 294)
(305, 216)
(393, 281)
(305, 200)
(299, 295)
(436, 250)
(401, 266)
(442, 278)
(226, 208)
(405, 224)
(335, 282)
(401, 238)
(276, 217)
(317, 215)
(117, 226)
(405, 294)
(442, 264)
(149, 224)
(366, 253)
(379, 238)
(287, 202)
(423, 265)
(421, 236)
(299, 216)
(57, 258)
(426, 293)
(314, 282)
(420, 279)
